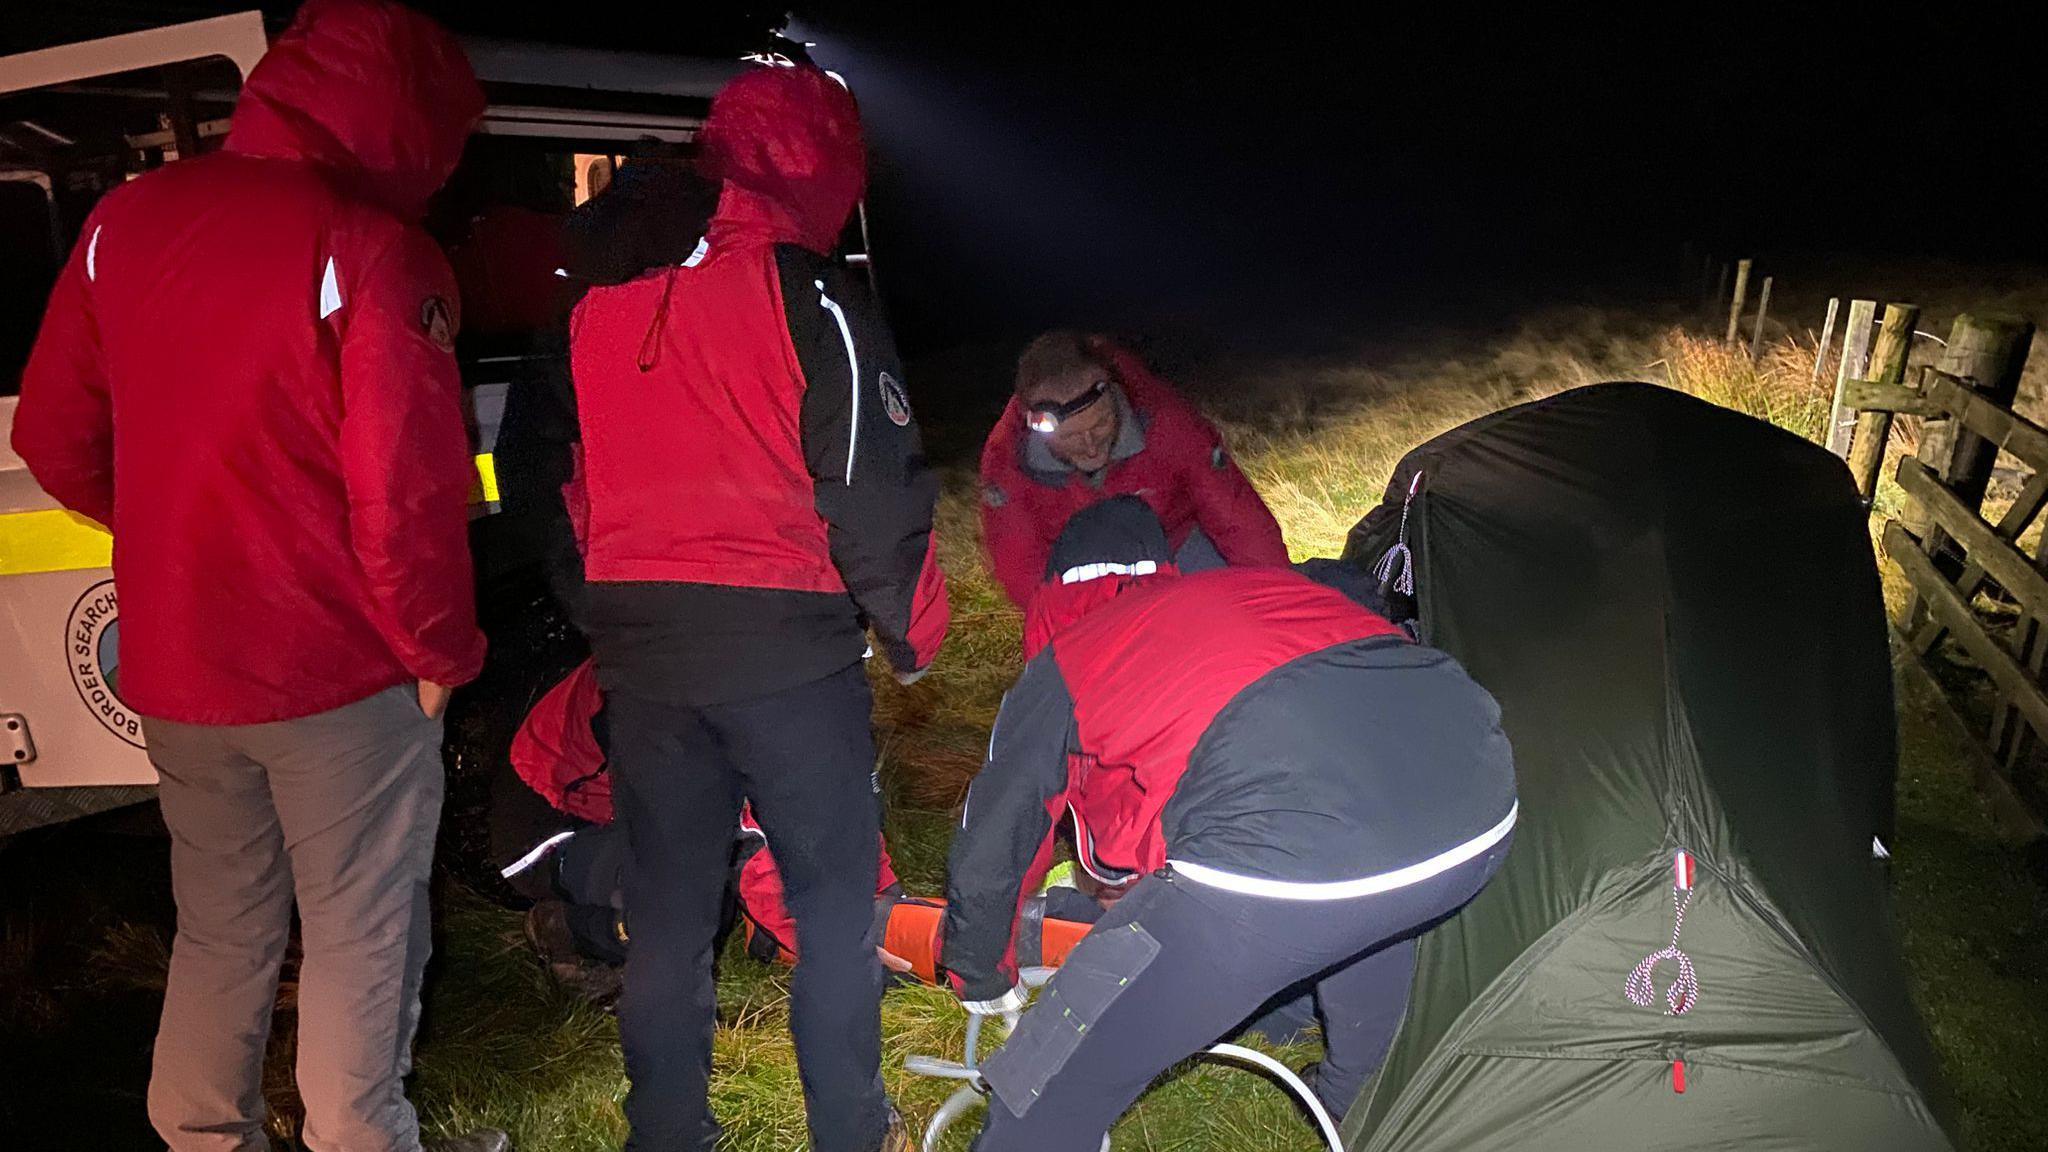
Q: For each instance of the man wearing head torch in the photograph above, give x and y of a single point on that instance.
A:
(1090, 422)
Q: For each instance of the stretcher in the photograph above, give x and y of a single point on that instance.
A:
(912, 934)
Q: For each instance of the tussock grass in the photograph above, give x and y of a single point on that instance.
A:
(1778, 386)
(132, 956)
(1319, 440)
(503, 1047)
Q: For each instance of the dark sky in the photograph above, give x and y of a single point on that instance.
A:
(1265, 161)
(1203, 164)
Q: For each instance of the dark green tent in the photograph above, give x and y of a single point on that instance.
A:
(1678, 609)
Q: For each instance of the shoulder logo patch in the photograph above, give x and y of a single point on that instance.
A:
(994, 496)
(438, 323)
(895, 401)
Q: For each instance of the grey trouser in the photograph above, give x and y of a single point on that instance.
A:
(339, 811)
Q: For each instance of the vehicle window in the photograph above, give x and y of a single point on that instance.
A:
(63, 147)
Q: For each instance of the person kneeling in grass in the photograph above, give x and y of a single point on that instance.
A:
(555, 842)
(1287, 786)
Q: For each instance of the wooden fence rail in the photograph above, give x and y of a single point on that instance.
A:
(1948, 551)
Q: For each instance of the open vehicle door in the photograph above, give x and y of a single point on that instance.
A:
(78, 119)
(75, 121)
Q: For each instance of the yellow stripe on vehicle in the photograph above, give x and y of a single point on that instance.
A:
(485, 491)
(52, 541)
(58, 541)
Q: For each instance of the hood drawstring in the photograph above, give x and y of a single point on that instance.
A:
(1396, 569)
(650, 345)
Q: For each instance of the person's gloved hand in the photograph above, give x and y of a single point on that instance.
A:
(1009, 1006)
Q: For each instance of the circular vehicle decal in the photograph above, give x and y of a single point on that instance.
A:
(92, 649)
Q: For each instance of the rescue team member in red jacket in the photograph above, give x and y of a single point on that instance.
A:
(571, 858)
(1287, 784)
(651, 216)
(756, 495)
(246, 372)
(1089, 421)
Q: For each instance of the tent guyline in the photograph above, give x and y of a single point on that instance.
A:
(1396, 569)
(1684, 991)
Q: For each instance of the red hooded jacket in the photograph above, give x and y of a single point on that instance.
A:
(1183, 471)
(744, 421)
(556, 753)
(246, 372)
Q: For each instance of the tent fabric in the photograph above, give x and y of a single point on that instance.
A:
(1678, 608)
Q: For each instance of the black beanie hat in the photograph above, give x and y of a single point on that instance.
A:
(1122, 531)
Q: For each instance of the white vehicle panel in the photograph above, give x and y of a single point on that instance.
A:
(65, 626)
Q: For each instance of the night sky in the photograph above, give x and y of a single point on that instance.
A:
(1227, 168)
(1253, 165)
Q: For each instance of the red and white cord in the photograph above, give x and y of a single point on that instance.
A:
(1684, 991)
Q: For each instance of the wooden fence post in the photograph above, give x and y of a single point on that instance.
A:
(1741, 297)
(1988, 354)
(1855, 347)
(1888, 366)
(1763, 308)
(1827, 334)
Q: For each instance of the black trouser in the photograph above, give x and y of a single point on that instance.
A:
(805, 758)
(1284, 1019)
(590, 870)
(1176, 964)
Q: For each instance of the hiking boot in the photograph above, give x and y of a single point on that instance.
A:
(482, 1140)
(596, 983)
(547, 929)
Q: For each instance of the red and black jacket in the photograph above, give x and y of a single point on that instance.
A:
(756, 490)
(651, 216)
(1244, 720)
(1184, 472)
